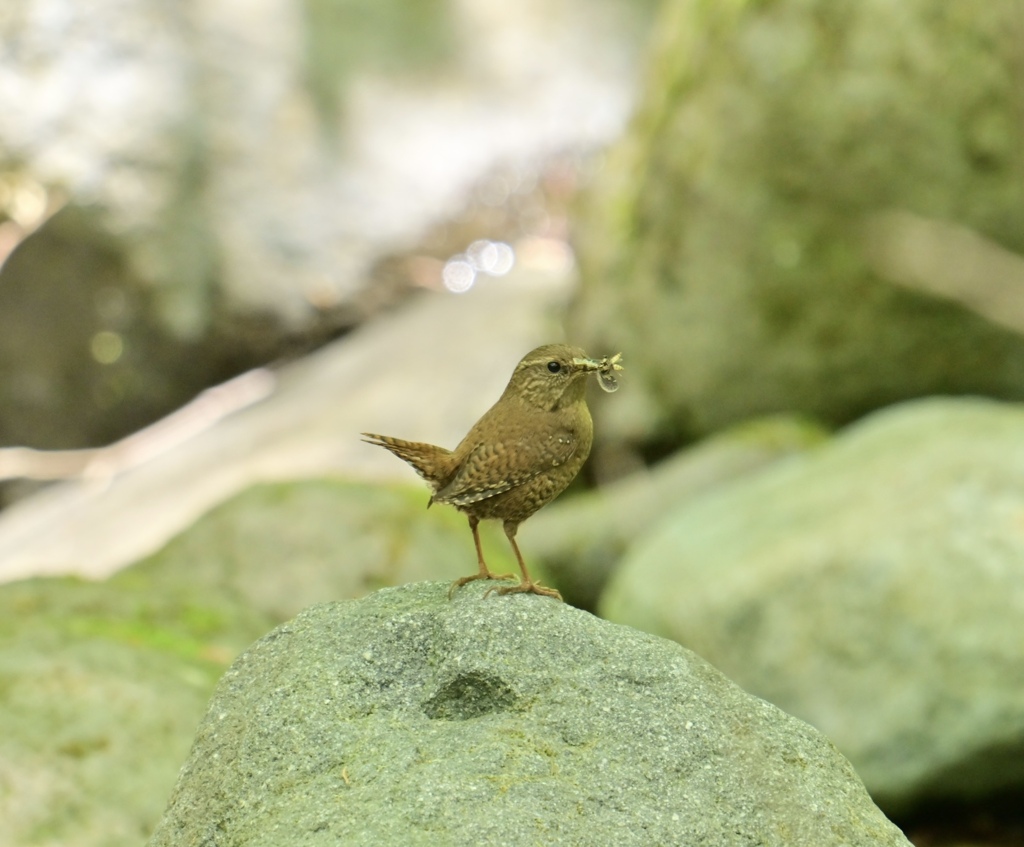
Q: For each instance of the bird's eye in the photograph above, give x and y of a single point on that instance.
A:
(554, 367)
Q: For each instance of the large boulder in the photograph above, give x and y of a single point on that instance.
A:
(740, 244)
(101, 685)
(873, 588)
(405, 718)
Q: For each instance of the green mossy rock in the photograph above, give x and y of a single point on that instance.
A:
(873, 587)
(101, 686)
(408, 719)
(724, 246)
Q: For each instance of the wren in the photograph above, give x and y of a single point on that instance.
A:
(520, 455)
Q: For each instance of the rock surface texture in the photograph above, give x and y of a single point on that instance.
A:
(873, 588)
(406, 718)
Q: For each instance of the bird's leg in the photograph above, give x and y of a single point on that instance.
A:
(485, 572)
(526, 585)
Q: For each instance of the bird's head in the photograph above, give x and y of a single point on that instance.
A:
(555, 375)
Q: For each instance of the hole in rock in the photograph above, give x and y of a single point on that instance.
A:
(470, 695)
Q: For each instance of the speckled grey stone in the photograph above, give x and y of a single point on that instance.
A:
(874, 587)
(405, 718)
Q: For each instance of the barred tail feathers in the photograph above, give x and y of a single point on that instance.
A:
(431, 462)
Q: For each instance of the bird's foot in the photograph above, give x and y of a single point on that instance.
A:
(484, 574)
(527, 586)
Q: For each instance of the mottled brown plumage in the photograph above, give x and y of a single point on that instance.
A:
(520, 455)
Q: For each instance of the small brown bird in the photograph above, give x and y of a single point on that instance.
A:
(521, 454)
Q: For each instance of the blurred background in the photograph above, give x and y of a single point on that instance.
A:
(234, 236)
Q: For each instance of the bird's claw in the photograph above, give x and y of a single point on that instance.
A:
(465, 580)
(526, 588)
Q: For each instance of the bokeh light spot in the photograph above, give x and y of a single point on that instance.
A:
(106, 347)
(491, 257)
(458, 274)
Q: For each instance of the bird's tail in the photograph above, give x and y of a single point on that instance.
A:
(428, 460)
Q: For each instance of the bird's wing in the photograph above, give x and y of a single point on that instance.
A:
(497, 467)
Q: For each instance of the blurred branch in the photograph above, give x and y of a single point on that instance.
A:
(949, 261)
(105, 462)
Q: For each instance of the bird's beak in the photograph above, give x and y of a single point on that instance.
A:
(605, 369)
(587, 364)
